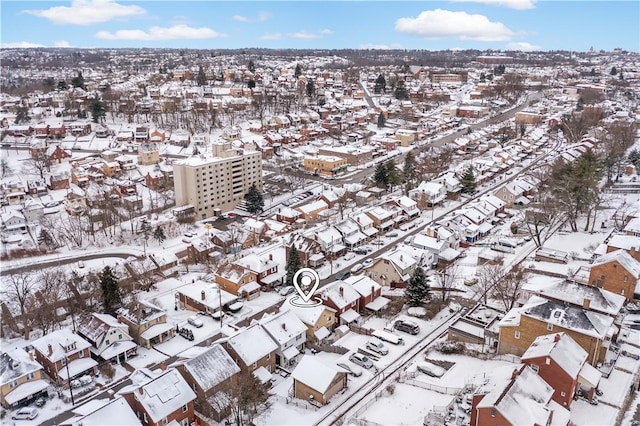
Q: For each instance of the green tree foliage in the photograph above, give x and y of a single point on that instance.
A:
(22, 115)
(251, 84)
(251, 66)
(201, 78)
(401, 91)
(499, 69)
(111, 299)
(98, 110)
(381, 120)
(468, 181)
(381, 175)
(380, 85)
(298, 71)
(393, 174)
(410, 172)
(255, 202)
(311, 89)
(62, 85)
(614, 71)
(159, 235)
(78, 81)
(293, 264)
(417, 291)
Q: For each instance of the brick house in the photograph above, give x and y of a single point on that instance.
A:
(203, 297)
(618, 273)
(64, 356)
(539, 316)
(155, 179)
(162, 399)
(342, 298)
(628, 243)
(562, 363)
(309, 250)
(370, 293)
(207, 373)
(265, 269)
(252, 348)
(237, 280)
(317, 382)
(56, 154)
(21, 379)
(59, 181)
(147, 323)
(288, 215)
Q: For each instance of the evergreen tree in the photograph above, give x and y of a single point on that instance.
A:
(593, 72)
(401, 91)
(251, 84)
(468, 181)
(410, 172)
(634, 158)
(251, 67)
(311, 89)
(98, 110)
(614, 71)
(381, 120)
(111, 299)
(22, 114)
(159, 235)
(62, 85)
(380, 85)
(78, 81)
(293, 264)
(49, 84)
(483, 77)
(417, 291)
(392, 174)
(255, 203)
(201, 79)
(298, 71)
(381, 175)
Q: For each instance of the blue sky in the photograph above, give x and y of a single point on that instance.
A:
(433, 25)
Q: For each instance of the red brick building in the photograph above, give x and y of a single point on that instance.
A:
(618, 273)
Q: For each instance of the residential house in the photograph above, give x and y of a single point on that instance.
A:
(628, 243)
(13, 222)
(147, 323)
(561, 362)
(383, 218)
(253, 349)
(342, 298)
(428, 194)
(617, 272)
(288, 215)
(148, 154)
(33, 211)
(320, 320)
(141, 135)
(351, 234)
(64, 356)
(164, 399)
(516, 396)
(514, 192)
(21, 379)
(310, 211)
(238, 280)
(109, 338)
(56, 154)
(409, 207)
(289, 333)
(633, 227)
(59, 181)
(317, 382)
(330, 239)
(366, 225)
(155, 180)
(201, 296)
(98, 412)
(209, 372)
(370, 292)
(393, 269)
(539, 316)
(325, 165)
(450, 182)
(264, 268)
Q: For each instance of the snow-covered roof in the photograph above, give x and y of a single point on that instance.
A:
(252, 344)
(363, 284)
(283, 327)
(625, 242)
(562, 349)
(211, 367)
(164, 395)
(308, 315)
(95, 326)
(256, 263)
(113, 412)
(340, 293)
(15, 364)
(633, 226)
(624, 259)
(60, 341)
(315, 374)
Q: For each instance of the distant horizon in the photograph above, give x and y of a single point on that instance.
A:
(499, 25)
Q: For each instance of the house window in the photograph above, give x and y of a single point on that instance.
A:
(30, 376)
(13, 384)
(549, 326)
(255, 364)
(535, 368)
(622, 292)
(625, 279)
(165, 421)
(185, 408)
(63, 361)
(268, 356)
(144, 417)
(493, 412)
(563, 394)
(107, 341)
(517, 334)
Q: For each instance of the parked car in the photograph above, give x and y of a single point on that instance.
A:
(407, 326)
(361, 360)
(367, 262)
(353, 370)
(195, 321)
(431, 369)
(360, 251)
(285, 291)
(25, 413)
(349, 256)
(392, 234)
(375, 345)
(343, 275)
(356, 268)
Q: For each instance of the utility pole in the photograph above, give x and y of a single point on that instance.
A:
(66, 363)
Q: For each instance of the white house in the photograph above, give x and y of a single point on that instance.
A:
(289, 333)
(109, 338)
(431, 192)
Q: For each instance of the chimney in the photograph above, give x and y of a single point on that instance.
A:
(514, 374)
(556, 338)
(141, 390)
(373, 290)
(202, 295)
(341, 292)
(270, 256)
(31, 356)
(586, 303)
(284, 326)
(163, 366)
(400, 258)
(50, 349)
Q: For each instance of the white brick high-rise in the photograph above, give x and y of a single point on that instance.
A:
(218, 181)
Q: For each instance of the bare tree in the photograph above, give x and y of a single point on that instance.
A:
(39, 163)
(244, 396)
(18, 288)
(506, 290)
(71, 230)
(43, 306)
(489, 275)
(446, 279)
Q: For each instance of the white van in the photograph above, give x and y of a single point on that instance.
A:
(388, 337)
(507, 243)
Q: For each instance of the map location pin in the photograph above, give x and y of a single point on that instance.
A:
(306, 282)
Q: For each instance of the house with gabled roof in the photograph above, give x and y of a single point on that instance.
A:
(64, 356)
(408, 205)
(252, 349)
(320, 320)
(109, 338)
(383, 218)
(562, 363)
(428, 194)
(516, 396)
(309, 250)
(393, 269)
(163, 399)
(98, 412)
(330, 239)
(238, 280)
(208, 371)
(21, 378)
(366, 225)
(539, 316)
(370, 292)
(310, 211)
(617, 272)
(288, 215)
(351, 234)
(628, 243)
(317, 382)
(342, 298)
(289, 333)
(147, 323)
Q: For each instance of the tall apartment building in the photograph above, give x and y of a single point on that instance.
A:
(216, 182)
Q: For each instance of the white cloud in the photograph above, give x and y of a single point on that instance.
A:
(438, 23)
(523, 46)
(61, 43)
(304, 35)
(380, 46)
(176, 32)
(262, 16)
(87, 12)
(513, 4)
(20, 45)
(326, 32)
(272, 36)
(240, 18)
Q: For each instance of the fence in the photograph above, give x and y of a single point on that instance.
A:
(436, 388)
